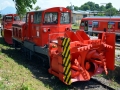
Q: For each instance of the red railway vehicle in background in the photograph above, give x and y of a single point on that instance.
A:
(71, 56)
(95, 25)
(6, 26)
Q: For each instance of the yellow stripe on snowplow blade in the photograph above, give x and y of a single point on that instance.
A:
(66, 60)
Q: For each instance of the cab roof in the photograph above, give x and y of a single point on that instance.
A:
(45, 9)
(105, 17)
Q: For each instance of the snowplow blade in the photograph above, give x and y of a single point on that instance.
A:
(110, 53)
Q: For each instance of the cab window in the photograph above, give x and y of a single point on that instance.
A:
(65, 18)
(37, 17)
(27, 17)
(8, 18)
(51, 18)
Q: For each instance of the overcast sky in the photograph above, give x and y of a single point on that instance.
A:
(62, 3)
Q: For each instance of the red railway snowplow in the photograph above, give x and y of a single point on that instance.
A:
(77, 58)
(71, 56)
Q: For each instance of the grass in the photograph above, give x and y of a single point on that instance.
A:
(114, 77)
(75, 26)
(16, 73)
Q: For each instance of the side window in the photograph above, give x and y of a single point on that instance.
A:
(82, 24)
(118, 25)
(31, 18)
(95, 24)
(37, 17)
(65, 18)
(51, 18)
(27, 17)
(111, 25)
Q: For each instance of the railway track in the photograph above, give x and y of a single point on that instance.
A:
(93, 84)
(102, 83)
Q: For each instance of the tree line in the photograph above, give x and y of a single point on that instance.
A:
(108, 8)
(22, 6)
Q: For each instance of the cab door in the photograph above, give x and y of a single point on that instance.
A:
(119, 26)
(36, 27)
(90, 26)
(117, 31)
(86, 26)
(29, 23)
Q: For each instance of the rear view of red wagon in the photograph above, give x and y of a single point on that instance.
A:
(7, 27)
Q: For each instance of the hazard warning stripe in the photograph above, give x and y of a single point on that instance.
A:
(66, 45)
(67, 74)
(66, 60)
(66, 41)
(66, 69)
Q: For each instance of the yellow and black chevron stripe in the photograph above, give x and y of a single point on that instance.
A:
(66, 60)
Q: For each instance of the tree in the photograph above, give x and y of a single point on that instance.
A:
(37, 8)
(111, 11)
(97, 7)
(109, 5)
(69, 7)
(91, 5)
(85, 7)
(102, 8)
(22, 6)
(76, 8)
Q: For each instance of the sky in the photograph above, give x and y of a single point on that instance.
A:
(62, 3)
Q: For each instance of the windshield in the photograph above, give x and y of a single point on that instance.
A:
(51, 18)
(65, 18)
(16, 18)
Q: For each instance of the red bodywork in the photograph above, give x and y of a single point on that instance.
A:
(18, 33)
(7, 27)
(41, 34)
(73, 56)
(99, 24)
